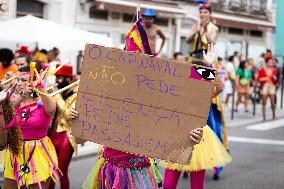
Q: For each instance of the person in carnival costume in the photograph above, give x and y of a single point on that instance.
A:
(35, 163)
(209, 153)
(60, 133)
(152, 31)
(9, 138)
(23, 57)
(201, 34)
(120, 170)
(267, 77)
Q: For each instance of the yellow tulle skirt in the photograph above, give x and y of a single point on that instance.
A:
(36, 163)
(209, 153)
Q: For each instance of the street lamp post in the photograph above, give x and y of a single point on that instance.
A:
(233, 100)
(282, 83)
(254, 98)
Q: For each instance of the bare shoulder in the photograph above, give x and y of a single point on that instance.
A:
(215, 28)
(156, 27)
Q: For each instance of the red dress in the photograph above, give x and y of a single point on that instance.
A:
(272, 78)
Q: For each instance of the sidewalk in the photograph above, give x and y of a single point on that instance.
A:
(243, 118)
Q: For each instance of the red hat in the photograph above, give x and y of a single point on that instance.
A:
(24, 50)
(268, 58)
(66, 70)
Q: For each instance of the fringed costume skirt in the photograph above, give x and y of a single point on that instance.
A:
(112, 171)
(37, 162)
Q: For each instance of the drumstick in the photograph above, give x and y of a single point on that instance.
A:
(10, 79)
(50, 87)
(65, 88)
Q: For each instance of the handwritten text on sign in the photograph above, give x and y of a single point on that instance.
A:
(139, 104)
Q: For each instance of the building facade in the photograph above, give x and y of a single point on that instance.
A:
(246, 26)
(114, 18)
(60, 11)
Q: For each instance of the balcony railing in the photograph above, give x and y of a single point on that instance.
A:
(256, 8)
(246, 7)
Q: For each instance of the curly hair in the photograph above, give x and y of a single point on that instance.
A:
(14, 135)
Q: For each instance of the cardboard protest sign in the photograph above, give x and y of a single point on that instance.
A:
(141, 104)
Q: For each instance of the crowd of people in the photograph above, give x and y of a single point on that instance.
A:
(45, 145)
(35, 130)
(253, 81)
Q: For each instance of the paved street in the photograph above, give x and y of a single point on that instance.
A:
(258, 156)
(257, 149)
